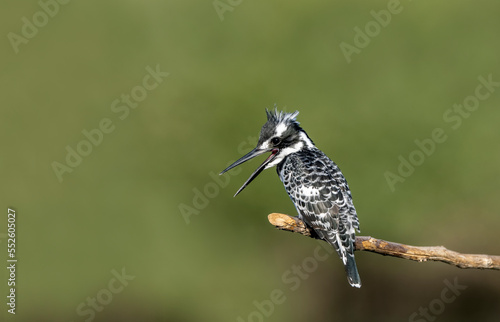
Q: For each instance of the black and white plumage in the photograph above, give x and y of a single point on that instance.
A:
(315, 184)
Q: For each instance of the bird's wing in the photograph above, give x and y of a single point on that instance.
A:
(322, 201)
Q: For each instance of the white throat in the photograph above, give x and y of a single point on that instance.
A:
(286, 151)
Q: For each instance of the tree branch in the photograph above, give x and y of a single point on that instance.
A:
(379, 246)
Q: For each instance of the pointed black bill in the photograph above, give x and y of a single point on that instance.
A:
(255, 152)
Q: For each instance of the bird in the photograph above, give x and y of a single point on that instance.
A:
(314, 183)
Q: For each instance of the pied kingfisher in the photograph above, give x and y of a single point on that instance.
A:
(313, 181)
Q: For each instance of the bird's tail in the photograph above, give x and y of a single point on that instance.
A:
(352, 272)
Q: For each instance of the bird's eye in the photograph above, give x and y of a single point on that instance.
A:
(275, 140)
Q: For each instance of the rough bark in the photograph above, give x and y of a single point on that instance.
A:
(386, 248)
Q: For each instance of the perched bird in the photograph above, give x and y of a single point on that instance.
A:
(315, 184)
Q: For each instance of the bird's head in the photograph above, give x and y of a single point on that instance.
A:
(282, 136)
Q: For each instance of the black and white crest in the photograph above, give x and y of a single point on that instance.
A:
(314, 183)
(275, 118)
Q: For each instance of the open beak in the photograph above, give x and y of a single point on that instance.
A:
(255, 152)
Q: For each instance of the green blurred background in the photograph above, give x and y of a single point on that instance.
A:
(122, 207)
